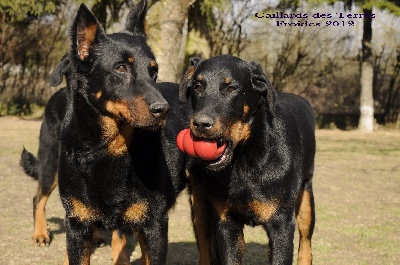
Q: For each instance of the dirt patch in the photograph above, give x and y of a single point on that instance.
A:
(357, 194)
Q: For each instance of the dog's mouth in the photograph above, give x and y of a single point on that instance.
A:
(224, 159)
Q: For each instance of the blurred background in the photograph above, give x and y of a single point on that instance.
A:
(348, 65)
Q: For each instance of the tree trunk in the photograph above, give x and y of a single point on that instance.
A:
(366, 122)
(167, 43)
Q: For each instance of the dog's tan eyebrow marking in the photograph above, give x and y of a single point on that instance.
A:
(190, 72)
(131, 60)
(153, 63)
(98, 94)
(199, 77)
(228, 80)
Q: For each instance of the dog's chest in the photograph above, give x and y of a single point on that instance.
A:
(116, 136)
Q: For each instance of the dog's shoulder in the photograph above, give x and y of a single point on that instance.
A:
(294, 109)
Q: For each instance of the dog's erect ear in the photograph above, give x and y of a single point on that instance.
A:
(85, 33)
(135, 22)
(261, 83)
(61, 68)
(185, 81)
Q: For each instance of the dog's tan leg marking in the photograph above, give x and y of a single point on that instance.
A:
(144, 260)
(304, 219)
(40, 235)
(66, 260)
(118, 245)
(200, 227)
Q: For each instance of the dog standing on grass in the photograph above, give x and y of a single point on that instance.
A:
(264, 174)
(119, 168)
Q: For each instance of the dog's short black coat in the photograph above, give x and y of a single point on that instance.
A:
(264, 175)
(119, 167)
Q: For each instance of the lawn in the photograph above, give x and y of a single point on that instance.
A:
(356, 187)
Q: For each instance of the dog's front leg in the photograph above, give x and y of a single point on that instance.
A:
(230, 240)
(153, 240)
(280, 229)
(79, 242)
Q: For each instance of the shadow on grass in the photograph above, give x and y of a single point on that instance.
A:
(186, 253)
(181, 253)
(59, 223)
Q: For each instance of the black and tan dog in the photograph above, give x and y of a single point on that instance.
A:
(263, 177)
(118, 169)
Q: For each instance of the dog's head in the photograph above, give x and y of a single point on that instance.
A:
(116, 72)
(226, 93)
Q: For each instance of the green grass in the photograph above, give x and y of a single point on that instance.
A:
(356, 187)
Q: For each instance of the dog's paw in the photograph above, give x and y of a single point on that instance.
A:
(41, 239)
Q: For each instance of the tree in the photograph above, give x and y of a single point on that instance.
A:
(366, 122)
(166, 30)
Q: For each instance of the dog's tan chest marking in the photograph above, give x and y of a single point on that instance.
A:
(264, 210)
(136, 212)
(117, 136)
(83, 212)
(222, 209)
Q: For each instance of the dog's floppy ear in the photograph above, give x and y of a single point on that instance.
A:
(85, 33)
(185, 81)
(135, 22)
(261, 83)
(61, 68)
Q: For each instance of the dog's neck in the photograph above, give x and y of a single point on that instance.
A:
(263, 131)
(116, 134)
(96, 127)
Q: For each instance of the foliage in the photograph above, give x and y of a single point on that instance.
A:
(33, 39)
(17, 10)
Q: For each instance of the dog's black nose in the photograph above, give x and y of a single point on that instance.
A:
(159, 109)
(203, 122)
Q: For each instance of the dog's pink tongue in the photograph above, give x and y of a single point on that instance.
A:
(206, 150)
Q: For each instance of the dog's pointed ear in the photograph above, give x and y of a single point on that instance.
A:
(186, 78)
(261, 83)
(136, 20)
(61, 68)
(85, 33)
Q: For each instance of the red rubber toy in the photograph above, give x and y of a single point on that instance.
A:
(206, 150)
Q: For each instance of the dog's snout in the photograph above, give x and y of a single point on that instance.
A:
(203, 122)
(159, 109)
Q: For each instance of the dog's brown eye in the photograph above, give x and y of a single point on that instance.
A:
(230, 89)
(121, 68)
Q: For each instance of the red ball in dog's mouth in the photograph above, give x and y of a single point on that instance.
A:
(204, 149)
